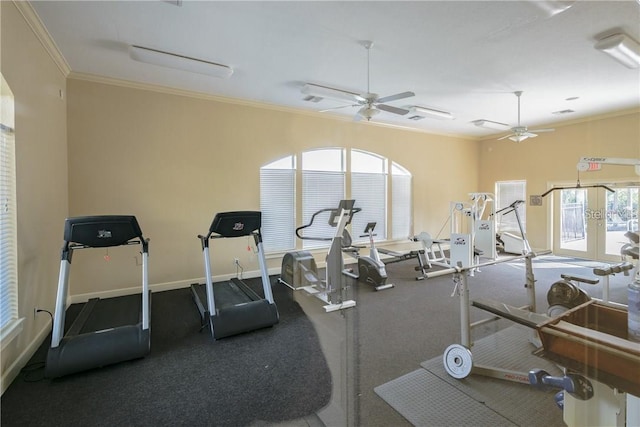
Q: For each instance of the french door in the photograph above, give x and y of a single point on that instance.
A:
(591, 222)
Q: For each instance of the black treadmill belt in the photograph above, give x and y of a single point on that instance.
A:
(226, 294)
(114, 312)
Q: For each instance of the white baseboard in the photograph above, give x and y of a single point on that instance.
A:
(12, 371)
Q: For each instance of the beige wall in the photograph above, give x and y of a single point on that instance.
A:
(551, 158)
(173, 161)
(41, 164)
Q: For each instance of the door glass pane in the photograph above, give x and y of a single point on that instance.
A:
(573, 230)
(622, 216)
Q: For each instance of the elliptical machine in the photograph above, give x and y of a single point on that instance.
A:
(299, 269)
(371, 270)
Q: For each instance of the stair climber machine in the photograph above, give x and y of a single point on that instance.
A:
(232, 307)
(371, 270)
(103, 333)
(510, 242)
(299, 269)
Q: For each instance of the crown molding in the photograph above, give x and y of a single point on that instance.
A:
(601, 116)
(247, 103)
(38, 28)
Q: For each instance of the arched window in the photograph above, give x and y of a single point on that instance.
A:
(324, 174)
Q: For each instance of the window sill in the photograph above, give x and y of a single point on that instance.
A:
(11, 331)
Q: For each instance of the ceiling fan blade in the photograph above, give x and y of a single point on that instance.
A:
(338, 108)
(528, 134)
(506, 136)
(361, 98)
(329, 92)
(542, 130)
(397, 96)
(392, 109)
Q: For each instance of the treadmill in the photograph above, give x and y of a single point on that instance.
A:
(105, 331)
(231, 307)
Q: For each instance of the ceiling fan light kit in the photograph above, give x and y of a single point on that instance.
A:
(179, 62)
(368, 112)
(520, 138)
(622, 48)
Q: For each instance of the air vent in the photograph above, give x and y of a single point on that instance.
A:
(415, 117)
(311, 98)
(560, 112)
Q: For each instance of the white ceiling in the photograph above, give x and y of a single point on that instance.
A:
(464, 57)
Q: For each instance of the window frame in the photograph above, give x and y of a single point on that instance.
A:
(10, 322)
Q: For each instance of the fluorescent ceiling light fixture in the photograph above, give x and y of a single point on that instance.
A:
(328, 92)
(179, 62)
(622, 48)
(423, 111)
(488, 124)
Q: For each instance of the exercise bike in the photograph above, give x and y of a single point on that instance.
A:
(371, 270)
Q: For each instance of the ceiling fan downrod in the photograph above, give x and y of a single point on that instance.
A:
(368, 44)
(518, 93)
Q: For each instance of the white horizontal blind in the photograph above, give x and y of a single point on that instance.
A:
(320, 190)
(508, 192)
(370, 193)
(8, 242)
(277, 203)
(401, 207)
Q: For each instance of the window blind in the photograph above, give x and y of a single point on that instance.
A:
(320, 190)
(277, 203)
(401, 206)
(508, 192)
(8, 243)
(370, 193)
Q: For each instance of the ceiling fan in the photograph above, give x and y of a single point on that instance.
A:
(520, 133)
(370, 103)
